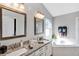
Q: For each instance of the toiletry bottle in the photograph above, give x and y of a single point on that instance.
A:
(21, 42)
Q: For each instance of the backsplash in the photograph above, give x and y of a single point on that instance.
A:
(12, 41)
(13, 46)
(16, 45)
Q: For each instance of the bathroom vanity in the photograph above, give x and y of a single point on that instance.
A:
(42, 49)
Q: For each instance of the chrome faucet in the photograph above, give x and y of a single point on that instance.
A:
(0, 44)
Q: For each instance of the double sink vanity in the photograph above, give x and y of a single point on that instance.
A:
(35, 49)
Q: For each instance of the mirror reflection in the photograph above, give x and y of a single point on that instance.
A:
(13, 24)
(39, 23)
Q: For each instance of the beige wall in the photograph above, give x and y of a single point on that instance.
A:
(68, 20)
(66, 51)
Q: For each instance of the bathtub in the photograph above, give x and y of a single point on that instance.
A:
(65, 48)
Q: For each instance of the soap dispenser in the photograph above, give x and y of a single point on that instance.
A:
(21, 43)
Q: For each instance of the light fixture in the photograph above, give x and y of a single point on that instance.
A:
(21, 6)
(16, 5)
(39, 15)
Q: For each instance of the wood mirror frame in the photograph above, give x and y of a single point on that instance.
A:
(42, 23)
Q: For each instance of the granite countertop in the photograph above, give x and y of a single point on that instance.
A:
(34, 44)
(36, 47)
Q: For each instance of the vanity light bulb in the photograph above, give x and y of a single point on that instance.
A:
(16, 5)
(21, 6)
(40, 16)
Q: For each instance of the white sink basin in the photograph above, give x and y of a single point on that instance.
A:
(18, 52)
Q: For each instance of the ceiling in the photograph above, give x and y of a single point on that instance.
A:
(57, 9)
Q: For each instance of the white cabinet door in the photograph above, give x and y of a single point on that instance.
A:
(37, 53)
(48, 49)
(43, 51)
(40, 52)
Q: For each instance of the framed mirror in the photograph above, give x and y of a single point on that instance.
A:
(12, 24)
(38, 24)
